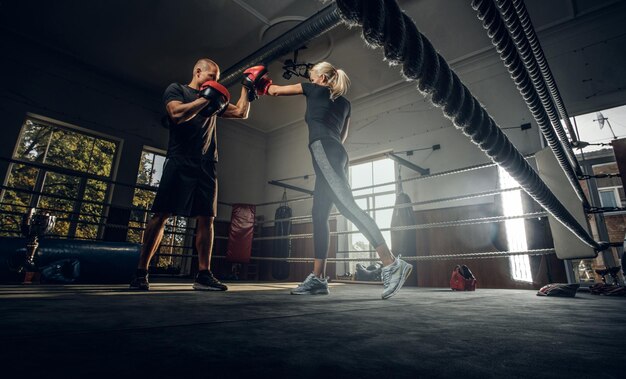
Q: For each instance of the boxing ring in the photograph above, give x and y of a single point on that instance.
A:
(385, 26)
(256, 329)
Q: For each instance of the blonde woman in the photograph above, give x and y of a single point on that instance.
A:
(328, 117)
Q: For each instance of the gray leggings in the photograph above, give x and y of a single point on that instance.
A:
(330, 162)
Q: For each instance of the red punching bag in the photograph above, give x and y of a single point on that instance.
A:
(240, 233)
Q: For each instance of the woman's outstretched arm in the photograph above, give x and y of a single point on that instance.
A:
(290, 90)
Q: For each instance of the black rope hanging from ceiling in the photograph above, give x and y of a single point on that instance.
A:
(531, 36)
(385, 25)
(524, 37)
(524, 71)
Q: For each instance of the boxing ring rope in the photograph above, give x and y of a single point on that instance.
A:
(443, 224)
(531, 37)
(435, 257)
(386, 26)
(405, 180)
(406, 205)
(524, 71)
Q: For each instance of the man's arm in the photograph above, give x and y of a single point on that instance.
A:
(181, 112)
(241, 109)
(344, 131)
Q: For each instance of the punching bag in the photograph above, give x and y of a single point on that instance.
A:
(282, 247)
(403, 241)
(240, 233)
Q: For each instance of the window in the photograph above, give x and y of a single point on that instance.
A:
(178, 238)
(610, 197)
(515, 229)
(610, 189)
(64, 171)
(367, 174)
(600, 127)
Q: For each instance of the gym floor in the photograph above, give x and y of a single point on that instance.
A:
(260, 330)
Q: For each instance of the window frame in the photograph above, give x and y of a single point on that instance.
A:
(83, 177)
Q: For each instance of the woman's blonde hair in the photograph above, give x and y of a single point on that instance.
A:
(337, 79)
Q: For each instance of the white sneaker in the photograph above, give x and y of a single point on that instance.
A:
(312, 285)
(394, 277)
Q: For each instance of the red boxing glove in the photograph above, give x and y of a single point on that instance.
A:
(257, 82)
(252, 75)
(263, 85)
(218, 97)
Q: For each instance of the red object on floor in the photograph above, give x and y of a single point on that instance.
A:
(458, 282)
(240, 233)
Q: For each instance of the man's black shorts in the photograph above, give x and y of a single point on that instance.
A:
(188, 187)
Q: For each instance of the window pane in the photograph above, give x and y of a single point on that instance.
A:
(16, 202)
(69, 150)
(149, 173)
(597, 127)
(145, 168)
(33, 142)
(102, 158)
(388, 200)
(384, 172)
(157, 170)
(64, 186)
(22, 177)
(361, 176)
(515, 229)
(91, 214)
(143, 198)
(607, 198)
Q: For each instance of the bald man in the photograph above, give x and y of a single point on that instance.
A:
(188, 185)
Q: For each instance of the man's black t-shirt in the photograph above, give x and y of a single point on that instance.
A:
(325, 117)
(190, 138)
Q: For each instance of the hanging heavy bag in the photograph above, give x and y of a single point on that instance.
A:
(403, 242)
(462, 279)
(282, 247)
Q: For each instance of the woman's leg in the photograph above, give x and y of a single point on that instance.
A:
(322, 204)
(329, 160)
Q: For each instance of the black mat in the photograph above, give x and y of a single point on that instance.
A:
(260, 331)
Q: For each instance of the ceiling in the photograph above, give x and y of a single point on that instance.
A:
(150, 43)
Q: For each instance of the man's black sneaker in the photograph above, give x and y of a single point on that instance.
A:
(207, 282)
(140, 283)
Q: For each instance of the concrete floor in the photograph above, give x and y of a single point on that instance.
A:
(258, 330)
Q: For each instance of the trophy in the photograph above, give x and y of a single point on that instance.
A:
(34, 226)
